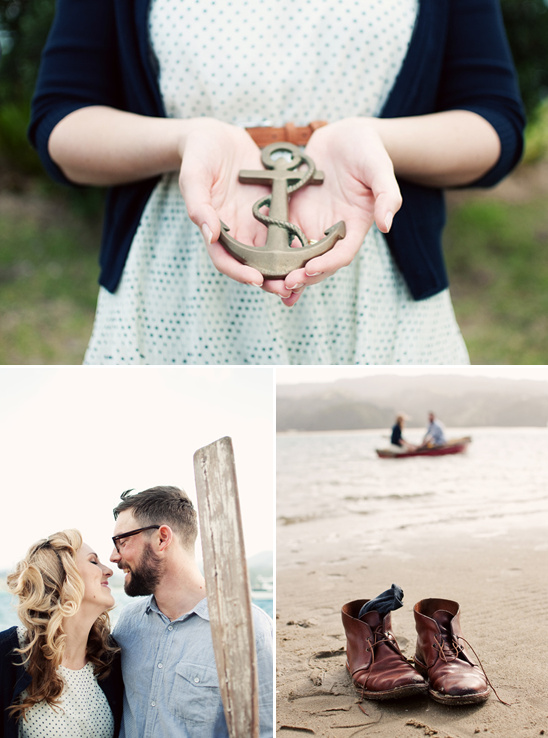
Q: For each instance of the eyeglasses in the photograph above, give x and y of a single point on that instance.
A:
(116, 539)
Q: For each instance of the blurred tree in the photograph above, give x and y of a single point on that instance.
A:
(25, 24)
(527, 28)
(24, 27)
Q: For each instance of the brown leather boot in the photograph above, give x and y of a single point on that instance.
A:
(453, 678)
(378, 668)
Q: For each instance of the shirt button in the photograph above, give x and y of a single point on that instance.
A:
(153, 704)
(170, 627)
(196, 680)
(160, 666)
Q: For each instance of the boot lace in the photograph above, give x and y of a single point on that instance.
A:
(379, 636)
(450, 649)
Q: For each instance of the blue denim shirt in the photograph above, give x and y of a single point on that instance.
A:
(170, 677)
(435, 432)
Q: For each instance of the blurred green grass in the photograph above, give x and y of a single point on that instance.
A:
(496, 256)
(495, 245)
(48, 278)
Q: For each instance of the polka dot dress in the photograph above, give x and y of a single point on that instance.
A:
(84, 711)
(267, 63)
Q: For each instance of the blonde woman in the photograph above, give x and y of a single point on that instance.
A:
(60, 672)
(397, 439)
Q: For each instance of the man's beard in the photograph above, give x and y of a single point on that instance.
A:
(145, 577)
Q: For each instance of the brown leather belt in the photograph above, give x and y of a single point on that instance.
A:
(297, 135)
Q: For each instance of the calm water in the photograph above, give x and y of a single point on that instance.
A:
(500, 483)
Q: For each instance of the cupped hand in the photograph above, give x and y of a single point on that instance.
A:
(213, 153)
(359, 188)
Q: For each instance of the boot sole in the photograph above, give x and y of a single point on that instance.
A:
(408, 690)
(458, 699)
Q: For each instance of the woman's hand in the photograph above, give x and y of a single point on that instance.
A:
(213, 153)
(359, 188)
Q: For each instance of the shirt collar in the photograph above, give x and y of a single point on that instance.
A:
(200, 609)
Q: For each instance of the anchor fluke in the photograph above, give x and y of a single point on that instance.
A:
(278, 264)
(277, 258)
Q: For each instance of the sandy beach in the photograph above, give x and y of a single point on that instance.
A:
(500, 582)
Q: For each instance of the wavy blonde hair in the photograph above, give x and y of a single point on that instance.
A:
(50, 588)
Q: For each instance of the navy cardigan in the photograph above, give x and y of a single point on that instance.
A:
(98, 53)
(14, 680)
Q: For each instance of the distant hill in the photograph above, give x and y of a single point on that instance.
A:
(373, 402)
(263, 560)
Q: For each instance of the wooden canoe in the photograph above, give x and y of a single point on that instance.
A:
(457, 446)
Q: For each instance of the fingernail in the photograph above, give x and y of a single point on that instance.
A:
(207, 235)
(388, 220)
(314, 274)
(255, 284)
(296, 287)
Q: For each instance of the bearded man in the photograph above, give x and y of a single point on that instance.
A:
(168, 663)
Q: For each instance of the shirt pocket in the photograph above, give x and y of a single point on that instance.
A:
(195, 696)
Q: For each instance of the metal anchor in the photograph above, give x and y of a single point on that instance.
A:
(277, 257)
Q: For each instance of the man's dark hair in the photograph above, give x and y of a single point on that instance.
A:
(162, 506)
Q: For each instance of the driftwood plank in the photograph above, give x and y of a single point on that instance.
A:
(227, 584)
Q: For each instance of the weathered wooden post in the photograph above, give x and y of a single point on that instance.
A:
(227, 584)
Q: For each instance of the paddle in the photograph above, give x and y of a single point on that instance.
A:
(227, 585)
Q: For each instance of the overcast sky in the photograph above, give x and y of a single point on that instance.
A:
(299, 374)
(73, 438)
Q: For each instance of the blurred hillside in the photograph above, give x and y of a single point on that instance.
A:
(461, 401)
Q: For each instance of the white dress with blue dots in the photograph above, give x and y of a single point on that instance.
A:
(339, 58)
(83, 712)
